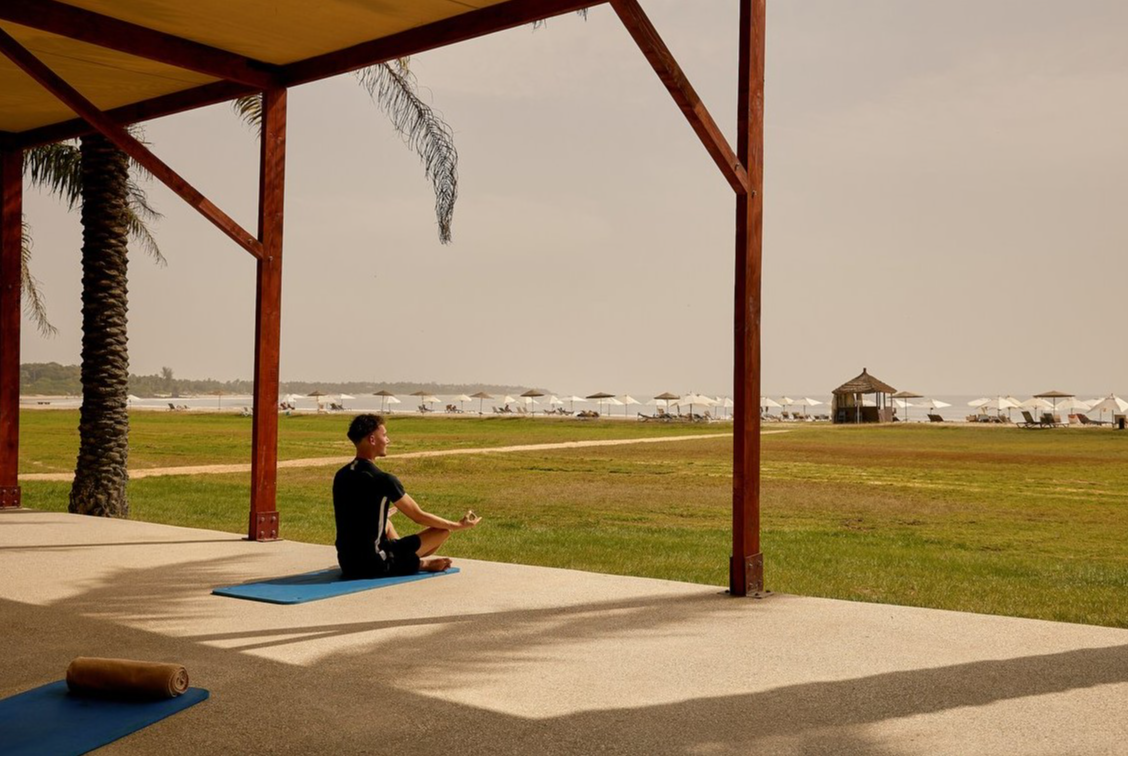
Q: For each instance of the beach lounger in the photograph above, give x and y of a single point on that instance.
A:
(1029, 421)
(934, 418)
(1085, 421)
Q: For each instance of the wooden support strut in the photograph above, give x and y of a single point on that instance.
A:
(746, 568)
(662, 61)
(264, 522)
(11, 217)
(125, 142)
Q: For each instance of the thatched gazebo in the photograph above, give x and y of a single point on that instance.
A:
(847, 404)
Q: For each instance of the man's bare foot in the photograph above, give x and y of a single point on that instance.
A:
(434, 564)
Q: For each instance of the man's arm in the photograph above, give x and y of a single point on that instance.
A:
(389, 529)
(408, 507)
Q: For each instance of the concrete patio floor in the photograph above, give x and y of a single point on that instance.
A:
(516, 659)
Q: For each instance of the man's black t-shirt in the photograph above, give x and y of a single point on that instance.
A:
(362, 497)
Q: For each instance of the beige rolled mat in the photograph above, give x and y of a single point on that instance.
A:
(100, 675)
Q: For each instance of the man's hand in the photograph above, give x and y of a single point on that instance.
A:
(470, 520)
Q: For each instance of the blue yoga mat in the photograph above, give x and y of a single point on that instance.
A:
(51, 720)
(309, 587)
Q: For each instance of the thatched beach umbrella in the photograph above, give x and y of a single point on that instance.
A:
(664, 398)
(1054, 396)
(599, 397)
(481, 396)
(384, 394)
(528, 396)
(317, 394)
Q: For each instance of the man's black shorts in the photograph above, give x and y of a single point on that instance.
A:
(400, 559)
(401, 555)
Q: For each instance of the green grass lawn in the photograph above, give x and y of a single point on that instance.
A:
(49, 438)
(992, 520)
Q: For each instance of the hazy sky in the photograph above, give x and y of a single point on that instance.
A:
(945, 204)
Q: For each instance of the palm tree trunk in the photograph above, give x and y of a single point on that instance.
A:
(100, 474)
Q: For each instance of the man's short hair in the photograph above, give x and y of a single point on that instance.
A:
(363, 425)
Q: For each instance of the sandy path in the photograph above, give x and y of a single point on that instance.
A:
(318, 461)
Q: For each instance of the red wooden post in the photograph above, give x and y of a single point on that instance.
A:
(746, 565)
(263, 525)
(11, 216)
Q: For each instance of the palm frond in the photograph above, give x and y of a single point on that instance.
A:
(139, 213)
(138, 217)
(34, 304)
(56, 167)
(136, 169)
(393, 88)
(139, 233)
(250, 111)
(543, 22)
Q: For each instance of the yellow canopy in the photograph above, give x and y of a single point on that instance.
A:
(276, 32)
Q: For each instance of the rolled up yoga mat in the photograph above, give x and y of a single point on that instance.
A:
(152, 680)
(101, 701)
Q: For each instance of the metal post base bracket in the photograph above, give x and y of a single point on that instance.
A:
(754, 577)
(9, 497)
(266, 527)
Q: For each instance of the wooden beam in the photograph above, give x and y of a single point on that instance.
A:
(165, 105)
(431, 36)
(264, 521)
(114, 34)
(126, 142)
(662, 61)
(459, 28)
(746, 566)
(11, 217)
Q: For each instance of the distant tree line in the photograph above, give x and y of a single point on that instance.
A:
(56, 379)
